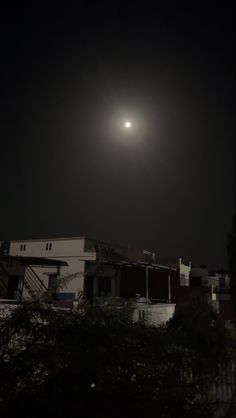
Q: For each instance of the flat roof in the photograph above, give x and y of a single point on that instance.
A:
(35, 261)
(127, 263)
(68, 238)
(47, 239)
(64, 239)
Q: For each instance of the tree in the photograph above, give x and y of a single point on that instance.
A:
(232, 263)
(232, 274)
(197, 326)
(93, 362)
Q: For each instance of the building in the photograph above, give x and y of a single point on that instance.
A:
(74, 251)
(93, 267)
(18, 279)
(218, 282)
(198, 276)
(97, 269)
(83, 264)
(184, 272)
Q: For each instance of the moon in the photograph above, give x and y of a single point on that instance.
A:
(128, 124)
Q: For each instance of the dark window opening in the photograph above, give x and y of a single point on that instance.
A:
(104, 286)
(12, 287)
(53, 285)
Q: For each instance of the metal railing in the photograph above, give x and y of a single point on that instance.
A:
(34, 285)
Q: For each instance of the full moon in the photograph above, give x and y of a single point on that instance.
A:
(127, 124)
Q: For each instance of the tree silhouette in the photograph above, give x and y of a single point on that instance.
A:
(93, 361)
(232, 263)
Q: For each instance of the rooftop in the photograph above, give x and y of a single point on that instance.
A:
(34, 261)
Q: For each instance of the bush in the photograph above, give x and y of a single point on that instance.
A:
(93, 362)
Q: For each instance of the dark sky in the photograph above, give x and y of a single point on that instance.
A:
(69, 78)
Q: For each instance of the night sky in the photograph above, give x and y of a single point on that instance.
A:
(70, 77)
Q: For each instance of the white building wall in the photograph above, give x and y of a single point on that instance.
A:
(70, 250)
(154, 314)
(184, 272)
(60, 247)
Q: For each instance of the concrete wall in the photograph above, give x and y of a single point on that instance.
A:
(184, 273)
(49, 248)
(154, 314)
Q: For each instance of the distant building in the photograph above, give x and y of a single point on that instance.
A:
(218, 282)
(137, 254)
(184, 272)
(198, 276)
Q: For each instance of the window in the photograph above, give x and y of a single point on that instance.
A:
(48, 246)
(22, 247)
(104, 286)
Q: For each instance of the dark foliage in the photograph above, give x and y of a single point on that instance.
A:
(96, 362)
(232, 263)
(198, 327)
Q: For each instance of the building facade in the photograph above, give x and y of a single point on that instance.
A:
(74, 251)
(71, 250)
(18, 279)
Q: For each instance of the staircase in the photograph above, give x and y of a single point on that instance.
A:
(33, 283)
